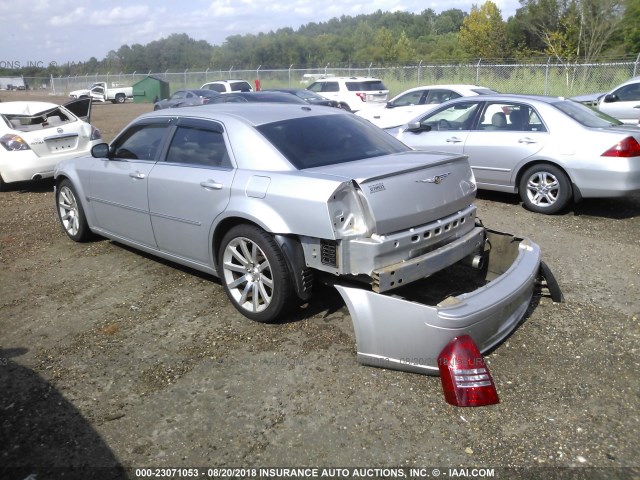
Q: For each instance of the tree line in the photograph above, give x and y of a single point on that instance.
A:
(565, 30)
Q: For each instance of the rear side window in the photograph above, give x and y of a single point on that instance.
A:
(586, 116)
(365, 86)
(198, 145)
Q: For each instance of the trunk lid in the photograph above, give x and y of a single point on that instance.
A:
(410, 188)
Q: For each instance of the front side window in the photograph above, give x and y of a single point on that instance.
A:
(628, 93)
(198, 145)
(440, 96)
(456, 117)
(140, 142)
(411, 98)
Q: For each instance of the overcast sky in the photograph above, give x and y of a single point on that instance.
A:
(44, 31)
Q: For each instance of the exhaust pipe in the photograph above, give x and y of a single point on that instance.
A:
(474, 261)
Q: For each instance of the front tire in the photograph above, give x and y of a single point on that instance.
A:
(254, 273)
(71, 214)
(545, 189)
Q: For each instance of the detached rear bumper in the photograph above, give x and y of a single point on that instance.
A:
(394, 332)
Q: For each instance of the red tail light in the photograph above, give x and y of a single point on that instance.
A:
(466, 380)
(628, 147)
(362, 95)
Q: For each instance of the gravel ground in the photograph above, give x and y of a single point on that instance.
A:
(112, 358)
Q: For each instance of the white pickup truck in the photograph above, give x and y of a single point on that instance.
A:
(101, 92)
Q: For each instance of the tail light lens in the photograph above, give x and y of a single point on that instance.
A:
(466, 380)
(362, 95)
(628, 147)
(13, 143)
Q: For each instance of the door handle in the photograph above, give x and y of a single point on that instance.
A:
(454, 140)
(137, 175)
(526, 140)
(211, 185)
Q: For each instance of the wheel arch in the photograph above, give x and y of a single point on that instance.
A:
(289, 245)
(81, 195)
(575, 191)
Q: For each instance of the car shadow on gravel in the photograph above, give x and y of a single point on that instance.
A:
(613, 208)
(325, 300)
(44, 435)
(35, 186)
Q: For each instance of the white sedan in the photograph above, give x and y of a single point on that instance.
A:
(623, 102)
(35, 136)
(416, 101)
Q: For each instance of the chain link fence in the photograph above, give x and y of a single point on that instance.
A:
(545, 78)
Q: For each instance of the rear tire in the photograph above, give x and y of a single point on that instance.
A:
(71, 214)
(254, 273)
(121, 98)
(545, 188)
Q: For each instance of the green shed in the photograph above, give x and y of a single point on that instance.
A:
(150, 88)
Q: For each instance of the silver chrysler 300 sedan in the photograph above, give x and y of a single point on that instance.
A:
(550, 150)
(270, 197)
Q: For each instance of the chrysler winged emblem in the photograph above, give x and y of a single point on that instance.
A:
(437, 179)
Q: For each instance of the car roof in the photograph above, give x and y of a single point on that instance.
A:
(450, 86)
(513, 97)
(26, 107)
(251, 113)
(328, 79)
(226, 81)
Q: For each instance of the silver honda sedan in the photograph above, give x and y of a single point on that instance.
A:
(550, 150)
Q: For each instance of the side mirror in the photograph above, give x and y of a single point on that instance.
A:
(610, 98)
(100, 150)
(417, 127)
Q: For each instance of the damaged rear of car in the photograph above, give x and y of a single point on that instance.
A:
(273, 198)
(35, 136)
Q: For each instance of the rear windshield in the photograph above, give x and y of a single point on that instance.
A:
(328, 140)
(365, 86)
(587, 116)
(37, 121)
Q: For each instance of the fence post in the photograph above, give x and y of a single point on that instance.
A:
(419, 71)
(478, 71)
(635, 65)
(546, 76)
(290, 66)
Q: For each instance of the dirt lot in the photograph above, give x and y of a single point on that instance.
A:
(112, 358)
